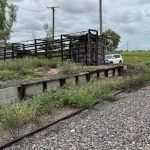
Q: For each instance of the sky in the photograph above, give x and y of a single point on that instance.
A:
(130, 19)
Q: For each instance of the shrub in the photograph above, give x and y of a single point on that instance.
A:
(14, 117)
(24, 68)
(6, 75)
(70, 68)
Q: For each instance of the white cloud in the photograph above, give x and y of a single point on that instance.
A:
(129, 18)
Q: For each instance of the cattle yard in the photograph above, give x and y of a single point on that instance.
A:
(85, 47)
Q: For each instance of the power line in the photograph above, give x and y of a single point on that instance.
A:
(30, 9)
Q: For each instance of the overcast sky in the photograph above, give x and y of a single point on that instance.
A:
(129, 18)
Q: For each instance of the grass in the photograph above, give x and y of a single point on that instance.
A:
(28, 63)
(83, 96)
(111, 98)
(70, 68)
(25, 68)
(136, 59)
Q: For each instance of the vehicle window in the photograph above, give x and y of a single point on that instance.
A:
(108, 57)
(116, 56)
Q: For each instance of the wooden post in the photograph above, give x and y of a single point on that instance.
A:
(70, 48)
(78, 47)
(85, 46)
(46, 48)
(12, 51)
(35, 44)
(62, 53)
(4, 53)
(89, 47)
(23, 47)
(96, 49)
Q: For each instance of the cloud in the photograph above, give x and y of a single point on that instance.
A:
(129, 18)
(143, 2)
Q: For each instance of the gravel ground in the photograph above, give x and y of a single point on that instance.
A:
(122, 125)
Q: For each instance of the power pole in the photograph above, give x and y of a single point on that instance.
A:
(128, 45)
(53, 20)
(101, 16)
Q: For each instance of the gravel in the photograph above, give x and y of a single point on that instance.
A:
(122, 125)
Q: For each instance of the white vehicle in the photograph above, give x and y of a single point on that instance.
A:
(113, 59)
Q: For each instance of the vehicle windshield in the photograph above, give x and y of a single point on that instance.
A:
(108, 57)
(116, 56)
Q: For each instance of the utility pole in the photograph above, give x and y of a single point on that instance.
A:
(53, 20)
(128, 45)
(101, 16)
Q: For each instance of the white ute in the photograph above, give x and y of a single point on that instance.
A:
(113, 59)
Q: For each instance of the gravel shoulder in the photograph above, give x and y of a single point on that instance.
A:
(122, 125)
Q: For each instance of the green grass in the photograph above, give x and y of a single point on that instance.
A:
(136, 58)
(111, 98)
(28, 63)
(70, 68)
(82, 96)
(25, 68)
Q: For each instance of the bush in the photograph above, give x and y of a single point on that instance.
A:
(14, 117)
(24, 68)
(6, 75)
(70, 68)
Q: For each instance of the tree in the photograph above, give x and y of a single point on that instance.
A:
(48, 30)
(7, 19)
(51, 43)
(112, 39)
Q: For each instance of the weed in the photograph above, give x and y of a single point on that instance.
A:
(82, 96)
(13, 117)
(6, 75)
(111, 98)
(70, 68)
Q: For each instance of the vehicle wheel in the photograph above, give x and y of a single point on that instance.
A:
(120, 62)
(111, 62)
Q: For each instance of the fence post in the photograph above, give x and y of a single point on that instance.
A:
(12, 50)
(70, 48)
(5, 53)
(89, 47)
(86, 51)
(46, 47)
(96, 49)
(78, 47)
(62, 53)
(35, 44)
(23, 47)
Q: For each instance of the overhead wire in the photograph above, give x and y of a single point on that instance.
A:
(31, 10)
(26, 9)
